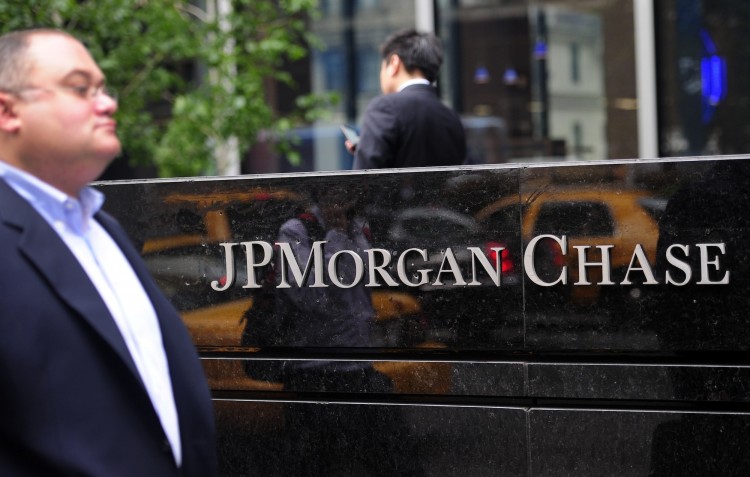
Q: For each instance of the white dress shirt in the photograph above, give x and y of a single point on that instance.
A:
(410, 82)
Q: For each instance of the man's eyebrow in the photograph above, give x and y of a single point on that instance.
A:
(75, 74)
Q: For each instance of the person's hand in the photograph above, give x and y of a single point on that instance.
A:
(352, 148)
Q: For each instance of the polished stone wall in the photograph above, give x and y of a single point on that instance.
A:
(568, 319)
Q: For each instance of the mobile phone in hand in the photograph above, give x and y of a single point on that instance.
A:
(350, 134)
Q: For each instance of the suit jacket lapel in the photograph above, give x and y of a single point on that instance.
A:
(58, 266)
(164, 310)
(173, 332)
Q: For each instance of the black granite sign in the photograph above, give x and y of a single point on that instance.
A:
(552, 319)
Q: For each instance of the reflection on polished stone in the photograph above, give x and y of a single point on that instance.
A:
(602, 256)
(438, 378)
(640, 382)
(208, 243)
(299, 438)
(465, 317)
(595, 443)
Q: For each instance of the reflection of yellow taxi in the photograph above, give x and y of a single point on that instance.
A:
(184, 255)
(587, 216)
(217, 217)
(187, 258)
(222, 325)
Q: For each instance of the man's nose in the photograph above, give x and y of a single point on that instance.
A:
(105, 104)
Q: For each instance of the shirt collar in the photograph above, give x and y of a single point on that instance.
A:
(53, 204)
(411, 82)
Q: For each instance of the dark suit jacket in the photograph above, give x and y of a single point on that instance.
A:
(71, 400)
(411, 128)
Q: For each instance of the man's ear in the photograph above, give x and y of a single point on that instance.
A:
(394, 64)
(9, 120)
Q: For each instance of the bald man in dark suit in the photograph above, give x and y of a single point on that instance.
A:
(99, 376)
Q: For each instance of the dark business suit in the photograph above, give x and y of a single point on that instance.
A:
(71, 399)
(411, 128)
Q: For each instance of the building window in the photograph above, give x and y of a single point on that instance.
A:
(577, 139)
(575, 66)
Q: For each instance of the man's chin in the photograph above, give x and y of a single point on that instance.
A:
(110, 152)
(99, 165)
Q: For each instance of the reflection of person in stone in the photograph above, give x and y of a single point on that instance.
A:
(408, 126)
(353, 439)
(709, 318)
(99, 374)
(330, 316)
(712, 210)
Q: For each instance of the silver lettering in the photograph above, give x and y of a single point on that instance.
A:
(705, 262)
(528, 260)
(453, 269)
(684, 266)
(315, 260)
(359, 268)
(645, 267)
(380, 269)
(583, 263)
(229, 277)
(252, 263)
(494, 273)
(401, 268)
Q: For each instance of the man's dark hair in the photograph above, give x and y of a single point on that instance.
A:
(418, 51)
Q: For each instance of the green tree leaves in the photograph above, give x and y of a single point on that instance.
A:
(188, 78)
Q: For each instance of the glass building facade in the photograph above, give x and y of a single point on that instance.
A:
(546, 80)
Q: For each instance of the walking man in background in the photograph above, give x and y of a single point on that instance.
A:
(408, 126)
(98, 373)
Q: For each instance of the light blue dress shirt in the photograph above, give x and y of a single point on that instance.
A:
(114, 279)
